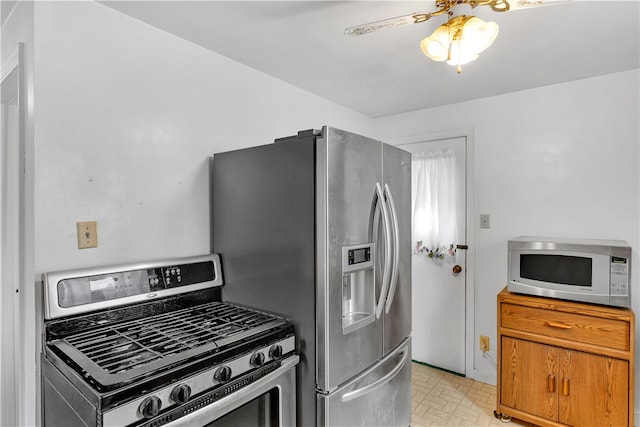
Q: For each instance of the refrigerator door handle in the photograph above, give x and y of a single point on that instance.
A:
(378, 383)
(395, 252)
(386, 274)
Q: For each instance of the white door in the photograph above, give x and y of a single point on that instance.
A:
(438, 291)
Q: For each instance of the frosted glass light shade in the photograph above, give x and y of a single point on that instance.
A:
(436, 46)
(479, 35)
(460, 40)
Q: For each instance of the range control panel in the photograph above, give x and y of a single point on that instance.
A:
(179, 275)
(108, 286)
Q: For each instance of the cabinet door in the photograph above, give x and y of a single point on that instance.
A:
(593, 390)
(528, 377)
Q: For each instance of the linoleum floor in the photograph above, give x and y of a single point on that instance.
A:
(441, 398)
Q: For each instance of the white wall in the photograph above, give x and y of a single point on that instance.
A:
(127, 116)
(557, 161)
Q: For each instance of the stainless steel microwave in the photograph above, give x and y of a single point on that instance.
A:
(594, 271)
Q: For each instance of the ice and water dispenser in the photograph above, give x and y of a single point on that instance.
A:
(358, 286)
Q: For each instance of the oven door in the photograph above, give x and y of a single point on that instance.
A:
(270, 401)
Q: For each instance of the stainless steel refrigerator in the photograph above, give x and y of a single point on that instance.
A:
(317, 227)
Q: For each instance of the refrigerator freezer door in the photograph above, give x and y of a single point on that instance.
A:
(397, 179)
(380, 396)
(349, 167)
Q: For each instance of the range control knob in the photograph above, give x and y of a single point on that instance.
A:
(257, 359)
(222, 374)
(150, 407)
(275, 351)
(181, 393)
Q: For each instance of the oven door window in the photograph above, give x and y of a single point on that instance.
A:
(263, 411)
(559, 269)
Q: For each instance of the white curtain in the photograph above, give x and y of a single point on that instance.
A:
(435, 226)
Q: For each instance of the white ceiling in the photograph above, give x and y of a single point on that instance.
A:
(384, 73)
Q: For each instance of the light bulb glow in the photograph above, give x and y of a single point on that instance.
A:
(436, 46)
(460, 40)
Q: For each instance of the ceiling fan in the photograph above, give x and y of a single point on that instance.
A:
(462, 38)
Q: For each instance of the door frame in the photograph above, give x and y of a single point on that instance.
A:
(469, 134)
(12, 257)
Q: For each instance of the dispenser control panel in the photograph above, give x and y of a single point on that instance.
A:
(357, 257)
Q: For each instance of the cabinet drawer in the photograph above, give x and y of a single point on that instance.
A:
(572, 326)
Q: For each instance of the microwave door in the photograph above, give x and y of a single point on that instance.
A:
(560, 274)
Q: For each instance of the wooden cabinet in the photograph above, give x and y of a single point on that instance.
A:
(564, 363)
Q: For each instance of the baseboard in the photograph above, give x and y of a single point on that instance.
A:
(438, 368)
(487, 377)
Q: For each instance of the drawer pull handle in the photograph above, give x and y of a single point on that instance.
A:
(565, 386)
(551, 383)
(558, 325)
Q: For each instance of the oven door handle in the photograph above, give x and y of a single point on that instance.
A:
(284, 374)
(380, 382)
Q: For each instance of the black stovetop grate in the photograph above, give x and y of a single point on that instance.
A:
(121, 347)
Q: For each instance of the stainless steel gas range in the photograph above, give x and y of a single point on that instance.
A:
(153, 344)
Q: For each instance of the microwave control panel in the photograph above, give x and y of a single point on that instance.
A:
(619, 284)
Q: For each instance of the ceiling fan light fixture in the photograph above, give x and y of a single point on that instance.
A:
(460, 55)
(460, 40)
(479, 34)
(436, 46)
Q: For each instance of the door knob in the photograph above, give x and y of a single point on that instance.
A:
(456, 269)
